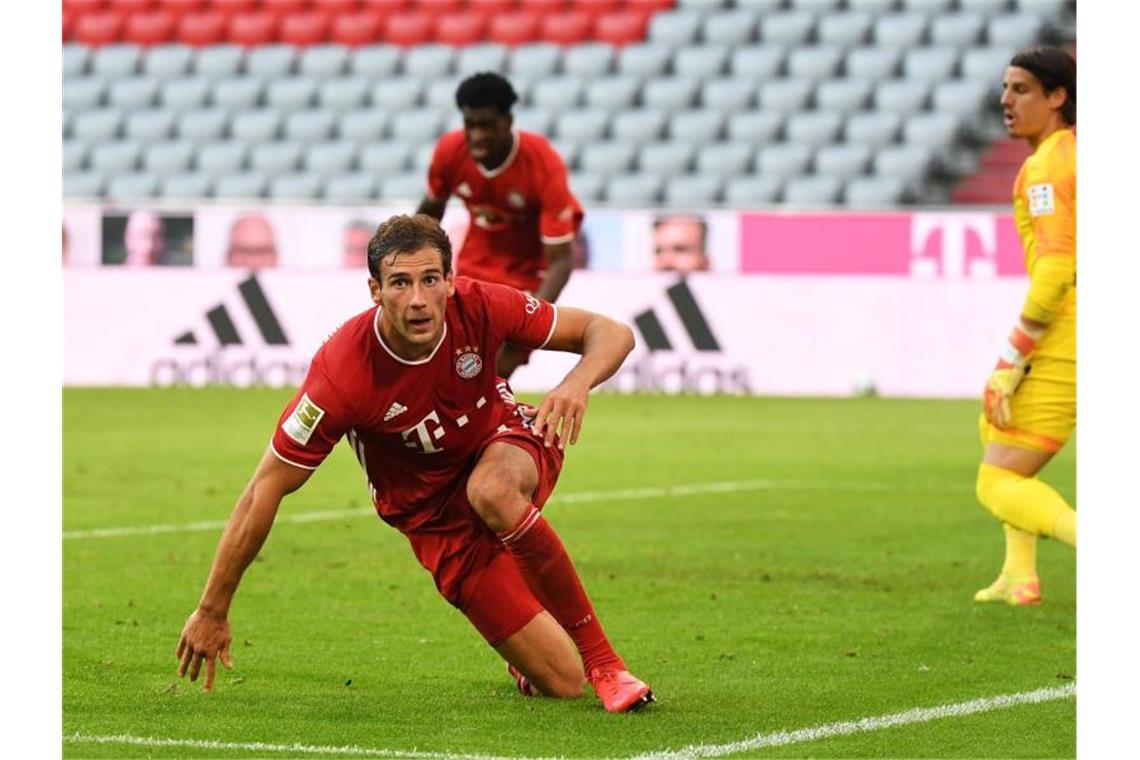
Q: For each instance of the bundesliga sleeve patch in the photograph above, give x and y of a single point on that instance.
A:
(303, 421)
(1040, 199)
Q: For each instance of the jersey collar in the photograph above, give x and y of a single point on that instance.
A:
(492, 173)
(394, 355)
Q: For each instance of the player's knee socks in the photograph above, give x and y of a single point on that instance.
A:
(1026, 503)
(548, 570)
(1020, 553)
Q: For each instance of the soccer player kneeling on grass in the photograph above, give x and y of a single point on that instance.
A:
(452, 461)
(1030, 401)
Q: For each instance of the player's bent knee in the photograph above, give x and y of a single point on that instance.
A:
(564, 686)
(498, 503)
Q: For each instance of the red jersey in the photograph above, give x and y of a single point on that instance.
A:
(515, 208)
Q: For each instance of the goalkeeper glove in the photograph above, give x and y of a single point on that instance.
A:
(1007, 376)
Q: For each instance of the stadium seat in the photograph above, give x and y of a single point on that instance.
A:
(843, 95)
(622, 27)
(733, 27)
(787, 28)
(513, 28)
(351, 187)
(607, 158)
(168, 61)
(760, 62)
(460, 29)
(813, 191)
(150, 125)
(397, 93)
(374, 61)
(185, 93)
(536, 60)
(75, 154)
(149, 28)
(822, 7)
(696, 127)
(87, 184)
(219, 61)
(335, 6)
(965, 97)
(422, 157)
(962, 29)
(477, 58)
(666, 158)
(583, 125)
(88, 92)
(614, 93)
(116, 61)
(935, 64)
(675, 28)
(428, 61)
(672, 94)
(900, 31)
(329, 158)
(589, 60)
(133, 93)
(692, 191)
(271, 61)
(649, 6)
(934, 130)
(558, 93)
(387, 6)
(928, 7)
(700, 61)
(343, 94)
(201, 29)
(638, 126)
(284, 7)
(843, 161)
(987, 64)
(76, 59)
(249, 185)
(907, 162)
(356, 29)
(222, 157)
(587, 187)
(874, 192)
(540, 120)
(407, 29)
(785, 95)
(568, 28)
(751, 191)
(846, 29)
(988, 7)
(97, 29)
(712, 6)
(310, 126)
(568, 151)
(648, 59)
(256, 127)
(440, 7)
(758, 127)
(98, 125)
(815, 62)
(417, 125)
(1015, 30)
(303, 29)
(636, 190)
(299, 187)
(901, 96)
(727, 95)
(724, 159)
(169, 157)
(782, 160)
(115, 157)
(872, 63)
(203, 125)
(408, 186)
(239, 93)
(874, 7)
(323, 61)
(440, 95)
(1045, 8)
(875, 128)
(132, 186)
(252, 29)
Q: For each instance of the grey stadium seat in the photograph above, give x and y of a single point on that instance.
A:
(428, 61)
(168, 61)
(588, 60)
(791, 28)
(219, 61)
(696, 127)
(757, 127)
(1017, 30)
(291, 94)
(711, 6)
(782, 160)
(965, 97)
(821, 7)
(700, 61)
(588, 124)
(116, 61)
(876, 128)
(98, 125)
(901, 96)
(985, 7)
(132, 186)
(75, 155)
(186, 93)
(536, 59)
(239, 93)
(814, 127)
(149, 126)
(674, 27)
(987, 64)
(204, 124)
(482, 57)
(673, 94)
(935, 130)
(244, 185)
(751, 190)
(374, 61)
(417, 125)
(421, 158)
(275, 158)
(540, 120)
(644, 59)
(692, 190)
(83, 184)
(409, 185)
(310, 126)
(397, 93)
(928, 7)
(634, 190)
(874, 7)
(363, 125)
(186, 186)
(935, 64)
(727, 95)
(815, 62)
(85, 93)
(169, 157)
(785, 95)
(843, 95)
(76, 60)
(351, 187)
(639, 126)
(388, 157)
(908, 162)
(558, 93)
(962, 29)
(256, 126)
(133, 93)
(874, 192)
(612, 93)
(440, 94)
(323, 61)
(343, 94)
(223, 157)
(295, 187)
(813, 191)
(328, 158)
(607, 157)
(568, 150)
(724, 159)
(586, 187)
(758, 61)
(900, 31)
(851, 28)
(1045, 8)
(271, 61)
(843, 161)
(666, 158)
(872, 63)
(732, 27)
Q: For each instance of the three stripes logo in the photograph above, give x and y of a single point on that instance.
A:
(692, 319)
(223, 325)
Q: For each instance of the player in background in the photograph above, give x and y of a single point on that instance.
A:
(523, 215)
(1030, 400)
(451, 461)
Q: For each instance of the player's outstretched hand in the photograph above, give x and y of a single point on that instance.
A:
(560, 414)
(205, 638)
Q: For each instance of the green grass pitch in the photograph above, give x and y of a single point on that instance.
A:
(840, 589)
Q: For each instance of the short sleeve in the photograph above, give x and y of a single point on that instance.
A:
(561, 214)
(312, 423)
(440, 181)
(519, 317)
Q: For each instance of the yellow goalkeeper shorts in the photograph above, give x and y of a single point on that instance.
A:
(1043, 410)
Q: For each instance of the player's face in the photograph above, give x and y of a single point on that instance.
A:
(412, 294)
(1028, 110)
(488, 134)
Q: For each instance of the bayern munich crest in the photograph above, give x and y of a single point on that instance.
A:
(469, 364)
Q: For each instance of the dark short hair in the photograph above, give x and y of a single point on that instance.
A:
(486, 89)
(1053, 68)
(407, 234)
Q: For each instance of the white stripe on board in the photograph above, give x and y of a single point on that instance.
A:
(621, 494)
(779, 738)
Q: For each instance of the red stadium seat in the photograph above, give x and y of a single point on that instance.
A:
(543, 7)
(439, 7)
(408, 29)
(200, 29)
(514, 28)
(649, 6)
(621, 28)
(460, 28)
(78, 7)
(356, 29)
(251, 29)
(303, 29)
(68, 24)
(568, 28)
(336, 6)
(230, 7)
(386, 6)
(149, 28)
(597, 7)
(127, 7)
(491, 8)
(284, 7)
(180, 7)
(99, 28)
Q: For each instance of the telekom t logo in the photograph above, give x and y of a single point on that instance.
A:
(954, 231)
(423, 437)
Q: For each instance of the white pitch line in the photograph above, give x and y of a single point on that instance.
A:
(777, 739)
(624, 494)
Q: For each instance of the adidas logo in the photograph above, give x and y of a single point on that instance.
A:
(692, 320)
(224, 329)
(395, 409)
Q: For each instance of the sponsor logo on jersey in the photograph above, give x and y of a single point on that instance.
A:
(1040, 199)
(394, 410)
(469, 364)
(516, 199)
(464, 189)
(532, 303)
(303, 421)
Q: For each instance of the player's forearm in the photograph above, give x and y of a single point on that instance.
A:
(1049, 284)
(242, 539)
(432, 208)
(559, 264)
(605, 345)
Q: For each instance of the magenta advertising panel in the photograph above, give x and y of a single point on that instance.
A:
(939, 244)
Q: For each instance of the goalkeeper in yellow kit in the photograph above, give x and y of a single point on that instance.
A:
(1030, 400)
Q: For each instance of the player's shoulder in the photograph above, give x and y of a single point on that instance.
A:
(452, 144)
(349, 343)
(534, 144)
(473, 295)
(1054, 160)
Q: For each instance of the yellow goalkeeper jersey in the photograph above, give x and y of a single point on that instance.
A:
(1045, 209)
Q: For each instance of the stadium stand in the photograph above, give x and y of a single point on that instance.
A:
(683, 102)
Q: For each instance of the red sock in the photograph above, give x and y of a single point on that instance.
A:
(548, 571)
